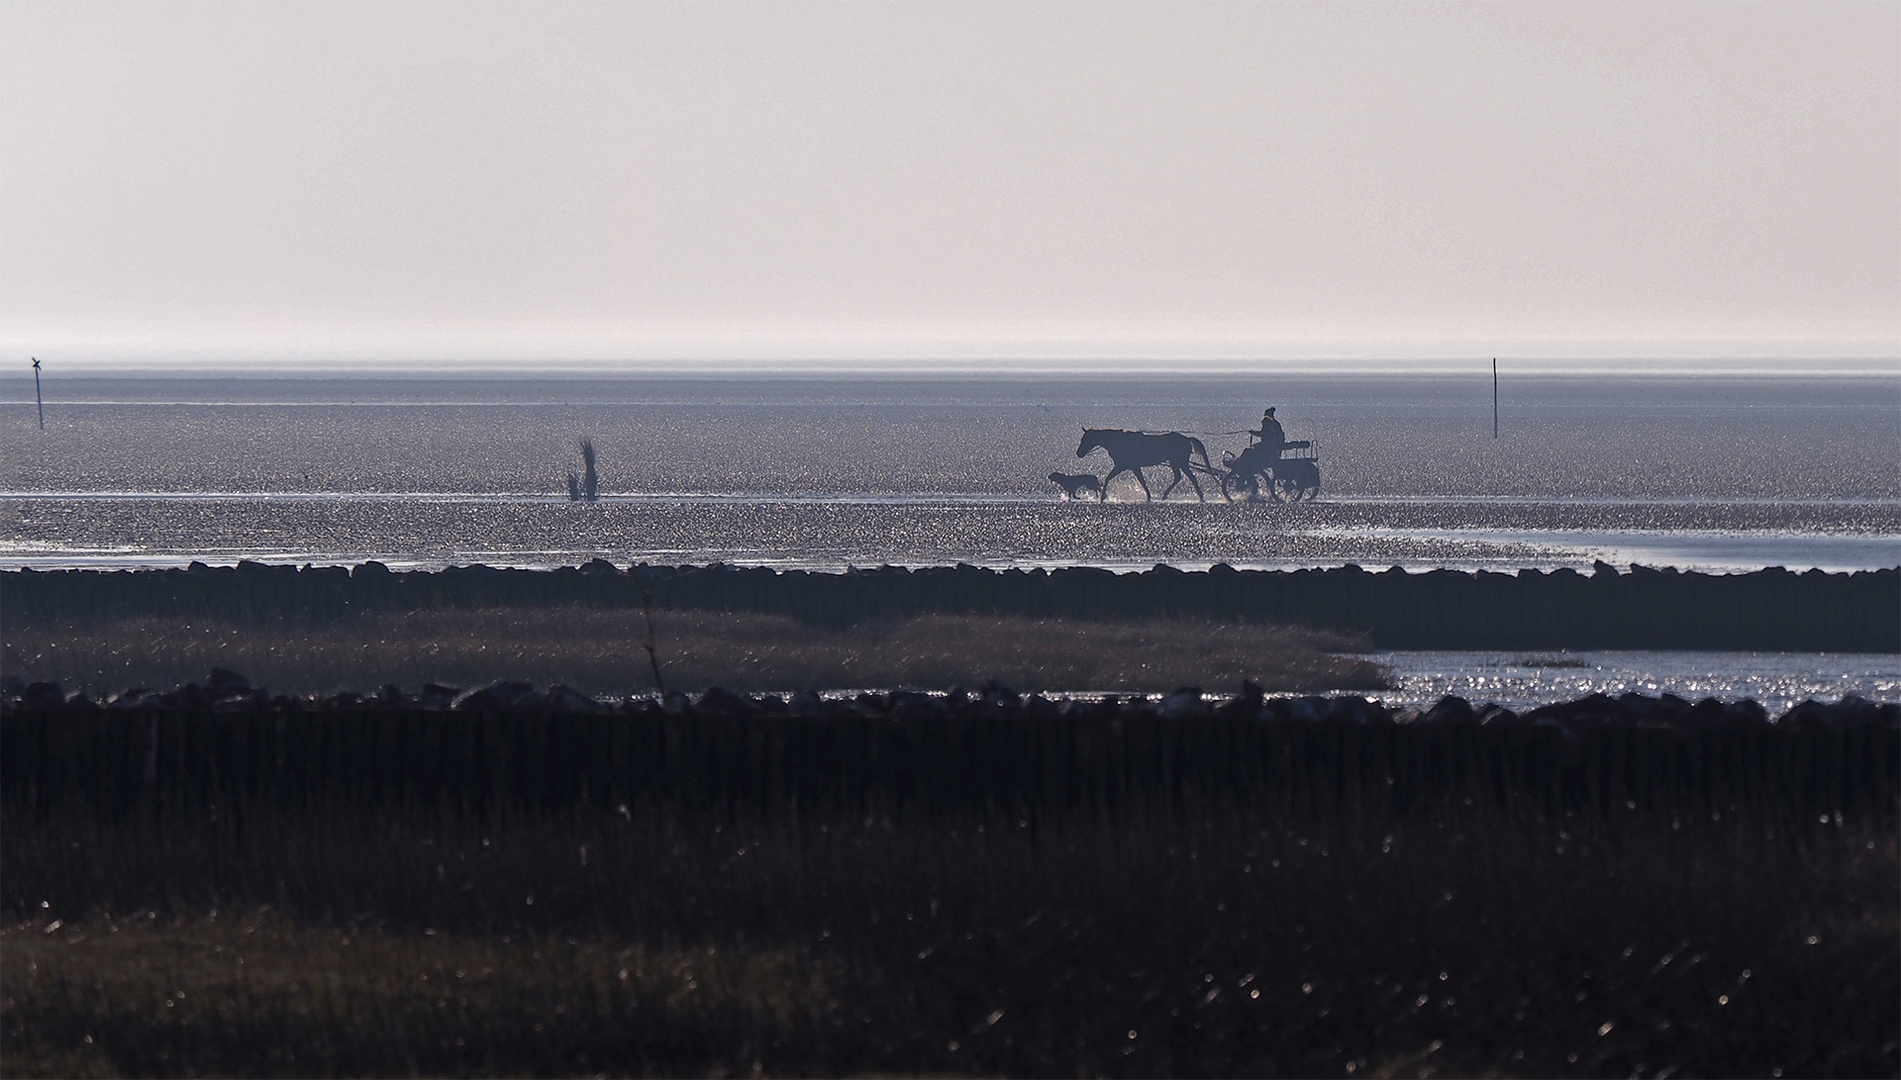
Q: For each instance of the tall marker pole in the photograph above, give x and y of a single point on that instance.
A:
(1494, 397)
(37, 399)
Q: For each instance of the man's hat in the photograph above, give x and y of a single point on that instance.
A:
(1269, 412)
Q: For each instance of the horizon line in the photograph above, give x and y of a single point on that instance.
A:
(1012, 368)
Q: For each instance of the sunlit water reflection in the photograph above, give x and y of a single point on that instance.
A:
(1524, 680)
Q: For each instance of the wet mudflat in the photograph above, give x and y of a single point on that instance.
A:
(430, 532)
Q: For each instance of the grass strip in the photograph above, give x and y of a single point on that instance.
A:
(600, 651)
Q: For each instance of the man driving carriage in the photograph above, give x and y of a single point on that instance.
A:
(1265, 462)
(1273, 438)
(1270, 433)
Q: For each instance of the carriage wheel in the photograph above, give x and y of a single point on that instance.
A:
(1284, 490)
(1233, 482)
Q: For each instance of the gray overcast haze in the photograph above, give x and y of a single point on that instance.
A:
(577, 185)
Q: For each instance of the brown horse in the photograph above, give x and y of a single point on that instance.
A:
(1133, 451)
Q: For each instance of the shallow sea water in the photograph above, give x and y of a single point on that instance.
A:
(1700, 474)
(1525, 680)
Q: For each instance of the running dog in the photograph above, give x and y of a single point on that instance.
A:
(1075, 484)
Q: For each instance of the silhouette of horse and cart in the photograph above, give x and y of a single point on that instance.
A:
(1287, 472)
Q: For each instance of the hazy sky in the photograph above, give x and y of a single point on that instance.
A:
(1235, 182)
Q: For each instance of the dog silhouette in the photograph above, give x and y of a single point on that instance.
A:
(1075, 484)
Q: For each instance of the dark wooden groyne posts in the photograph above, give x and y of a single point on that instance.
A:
(509, 753)
(1771, 609)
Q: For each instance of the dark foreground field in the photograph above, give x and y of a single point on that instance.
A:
(220, 883)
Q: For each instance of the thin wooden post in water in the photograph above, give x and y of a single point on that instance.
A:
(1494, 397)
(37, 399)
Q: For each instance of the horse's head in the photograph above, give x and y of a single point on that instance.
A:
(1092, 440)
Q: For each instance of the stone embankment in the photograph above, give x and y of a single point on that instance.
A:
(229, 693)
(1642, 608)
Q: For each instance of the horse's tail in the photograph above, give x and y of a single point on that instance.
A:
(1202, 450)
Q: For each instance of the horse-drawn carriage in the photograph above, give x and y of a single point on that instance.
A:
(1291, 476)
(1288, 472)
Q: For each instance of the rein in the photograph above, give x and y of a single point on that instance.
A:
(1243, 431)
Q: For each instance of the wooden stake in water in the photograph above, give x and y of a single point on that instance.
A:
(1494, 397)
(37, 399)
